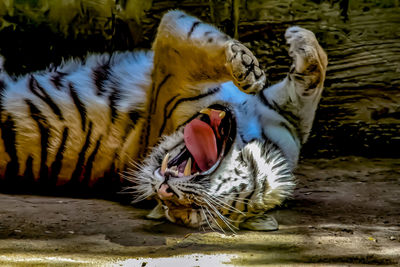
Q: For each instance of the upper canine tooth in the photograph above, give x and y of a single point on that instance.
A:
(222, 114)
(188, 167)
(206, 111)
(164, 163)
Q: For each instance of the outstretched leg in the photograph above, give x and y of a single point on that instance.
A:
(190, 59)
(297, 96)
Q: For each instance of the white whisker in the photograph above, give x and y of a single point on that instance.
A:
(205, 216)
(224, 204)
(216, 222)
(227, 223)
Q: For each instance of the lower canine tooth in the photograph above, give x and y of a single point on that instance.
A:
(188, 167)
(164, 163)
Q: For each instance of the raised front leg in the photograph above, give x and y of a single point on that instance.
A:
(190, 59)
(297, 96)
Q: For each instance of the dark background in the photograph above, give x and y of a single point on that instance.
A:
(360, 110)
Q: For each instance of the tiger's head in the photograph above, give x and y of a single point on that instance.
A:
(206, 174)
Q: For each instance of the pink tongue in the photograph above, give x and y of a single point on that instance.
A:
(200, 141)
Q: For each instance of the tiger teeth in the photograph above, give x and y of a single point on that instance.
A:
(164, 163)
(206, 111)
(188, 167)
(222, 114)
(174, 170)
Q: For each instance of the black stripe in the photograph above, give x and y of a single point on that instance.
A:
(2, 85)
(236, 197)
(135, 115)
(89, 164)
(255, 167)
(43, 126)
(75, 177)
(194, 26)
(56, 79)
(292, 118)
(113, 99)
(182, 100)
(219, 186)
(57, 164)
(154, 103)
(264, 100)
(145, 134)
(100, 75)
(168, 103)
(248, 198)
(79, 106)
(8, 136)
(294, 133)
(289, 116)
(128, 128)
(29, 178)
(39, 91)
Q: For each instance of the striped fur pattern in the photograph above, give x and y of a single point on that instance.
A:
(71, 125)
(79, 124)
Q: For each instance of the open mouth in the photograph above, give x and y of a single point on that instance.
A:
(207, 139)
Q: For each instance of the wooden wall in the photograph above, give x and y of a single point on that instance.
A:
(360, 110)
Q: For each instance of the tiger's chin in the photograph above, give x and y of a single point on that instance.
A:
(204, 175)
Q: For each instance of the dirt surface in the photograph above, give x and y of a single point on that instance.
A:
(344, 211)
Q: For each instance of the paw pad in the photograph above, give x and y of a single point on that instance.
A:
(245, 69)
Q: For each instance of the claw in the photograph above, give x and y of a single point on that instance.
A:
(188, 168)
(164, 163)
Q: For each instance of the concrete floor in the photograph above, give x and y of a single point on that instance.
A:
(345, 211)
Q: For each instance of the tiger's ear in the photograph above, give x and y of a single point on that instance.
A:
(157, 213)
(260, 223)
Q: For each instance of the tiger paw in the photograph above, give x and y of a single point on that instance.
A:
(308, 56)
(244, 68)
(157, 213)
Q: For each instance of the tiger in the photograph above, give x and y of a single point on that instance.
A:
(190, 124)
